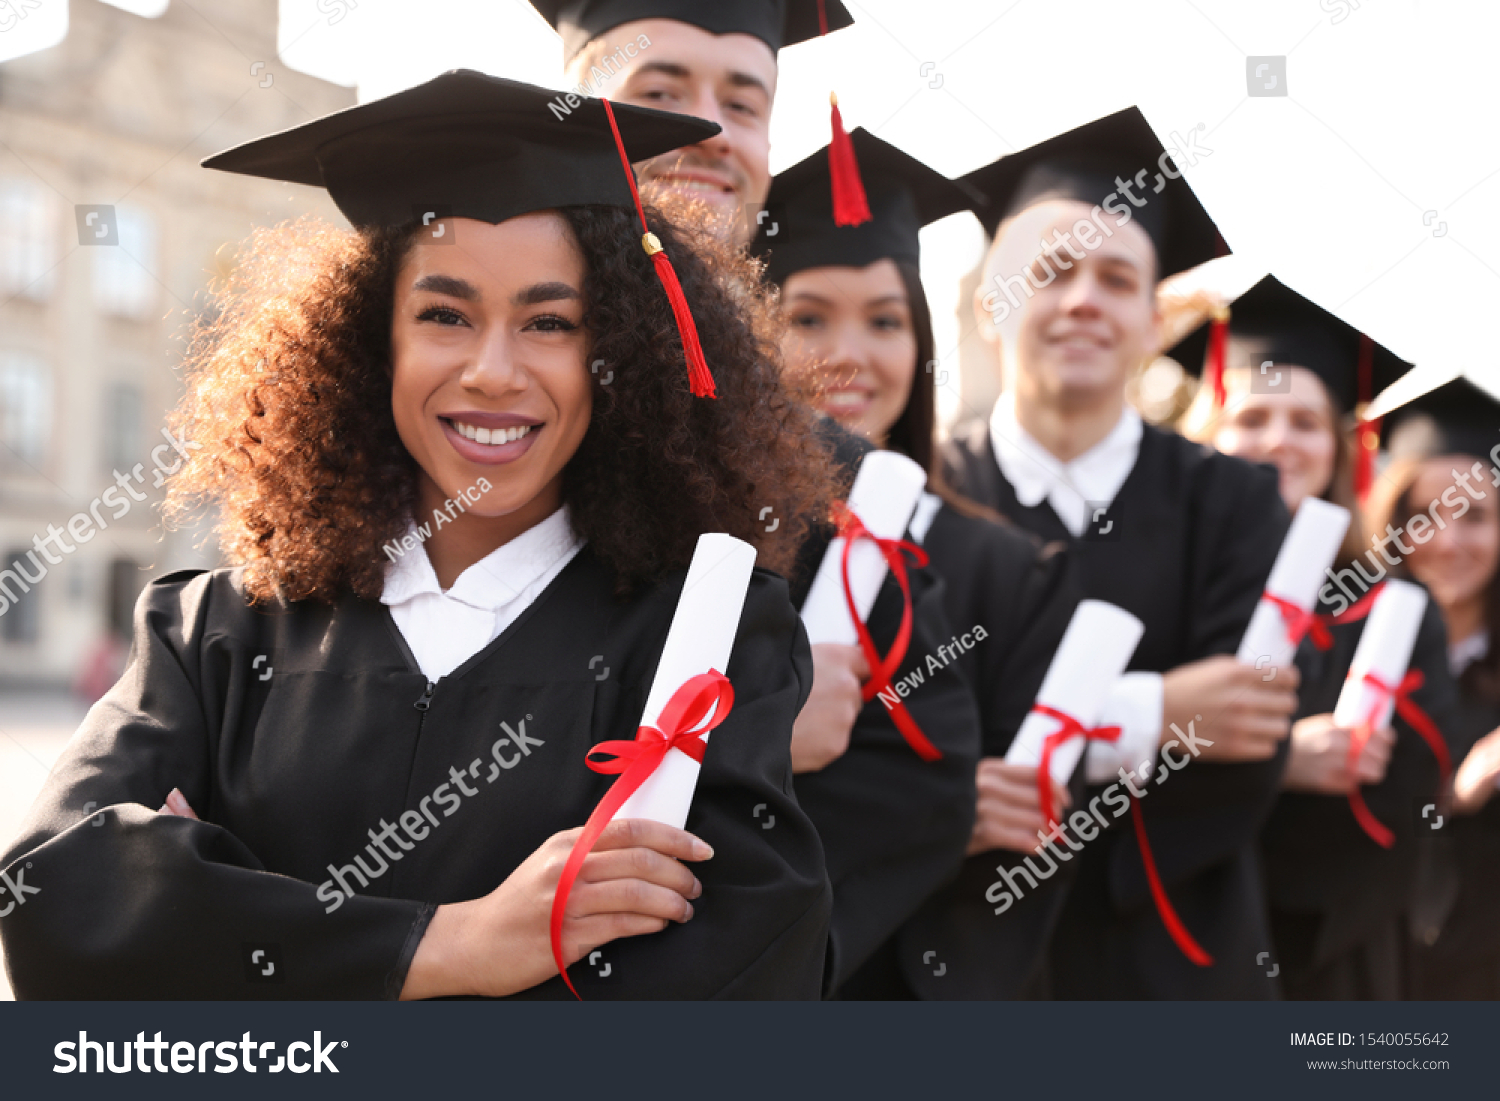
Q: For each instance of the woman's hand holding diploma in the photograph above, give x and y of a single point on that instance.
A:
(632, 883)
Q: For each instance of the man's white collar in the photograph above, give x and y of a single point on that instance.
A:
(1076, 489)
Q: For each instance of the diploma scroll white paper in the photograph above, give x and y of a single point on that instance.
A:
(1310, 546)
(701, 638)
(1093, 653)
(884, 496)
(1384, 649)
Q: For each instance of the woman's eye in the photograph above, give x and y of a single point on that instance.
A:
(806, 321)
(889, 323)
(442, 315)
(551, 323)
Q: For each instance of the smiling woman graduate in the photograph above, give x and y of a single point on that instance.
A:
(381, 720)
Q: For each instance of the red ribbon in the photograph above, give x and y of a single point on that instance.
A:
(852, 528)
(1183, 939)
(1418, 720)
(1299, 623)
(1070, 728)
(698, 698)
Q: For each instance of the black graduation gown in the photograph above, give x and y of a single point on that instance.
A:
(1193, 538)
(1339, 901)
(297, 763)
(1023, 594)
(1463, 960)
(894, 827)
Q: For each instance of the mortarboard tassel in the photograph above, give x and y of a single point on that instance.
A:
(1218, 350)
(700, 379)
(850, 206)
(1366, 433)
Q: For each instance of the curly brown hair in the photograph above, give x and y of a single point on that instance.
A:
(289, 401)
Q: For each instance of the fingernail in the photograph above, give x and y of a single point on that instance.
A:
(702, 850)
(689, 915)
(697, 888)
(175, 799)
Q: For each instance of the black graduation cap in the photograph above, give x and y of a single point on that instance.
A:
(1455, 418)
(904, 195)
(1272, 322)
(777, 23)
(1083, 165)
(465, 145)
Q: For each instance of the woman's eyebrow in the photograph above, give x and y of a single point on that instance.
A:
(449, 285)
(538, 293)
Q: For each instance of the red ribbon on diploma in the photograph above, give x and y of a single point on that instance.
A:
(699, 697)
(1418, 720)
(1070, 728)
(1299, 623)
(852, 528)
(1180, 936)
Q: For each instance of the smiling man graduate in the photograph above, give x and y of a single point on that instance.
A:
(1084, 226)
(715, 59)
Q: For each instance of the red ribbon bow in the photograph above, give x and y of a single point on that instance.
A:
(1418, 720)
(698, 698)
(1070, 728)
(1299, 623)
(852, 528)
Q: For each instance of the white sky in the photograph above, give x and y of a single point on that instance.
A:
(1390, 114)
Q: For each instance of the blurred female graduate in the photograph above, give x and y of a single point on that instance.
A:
(460, 471)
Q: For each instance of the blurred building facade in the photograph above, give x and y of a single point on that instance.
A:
(110, 234)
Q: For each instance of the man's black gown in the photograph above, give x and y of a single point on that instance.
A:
(1339, 901)
(299, 761)
(894, 827)
(1193, 538)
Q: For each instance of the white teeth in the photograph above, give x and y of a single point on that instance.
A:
(492, 437)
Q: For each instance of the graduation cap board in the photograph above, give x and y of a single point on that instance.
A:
(1271, 324)
(904, 195)
(468, 145)
(777, 23)
(1452, 412)
(1118, 163)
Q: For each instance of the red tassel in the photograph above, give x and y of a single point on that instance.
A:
(700, 380)
(1366, 443)
(1218, 351)
(1366, 433)
(850, 207)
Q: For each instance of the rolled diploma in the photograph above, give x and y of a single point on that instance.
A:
(884, 496)
(1384, 649)
(701, 638)
(1308, 550)
(1093, 653)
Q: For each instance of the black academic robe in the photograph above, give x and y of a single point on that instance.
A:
(300, 733)
(1023, 595)
(1193, 538)
(1459, 959)
(894, 827)
(1339, 901)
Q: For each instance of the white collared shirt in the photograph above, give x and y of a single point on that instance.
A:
(1466, 651)
(446, 629)
(1072, 488)
(1090, 481)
